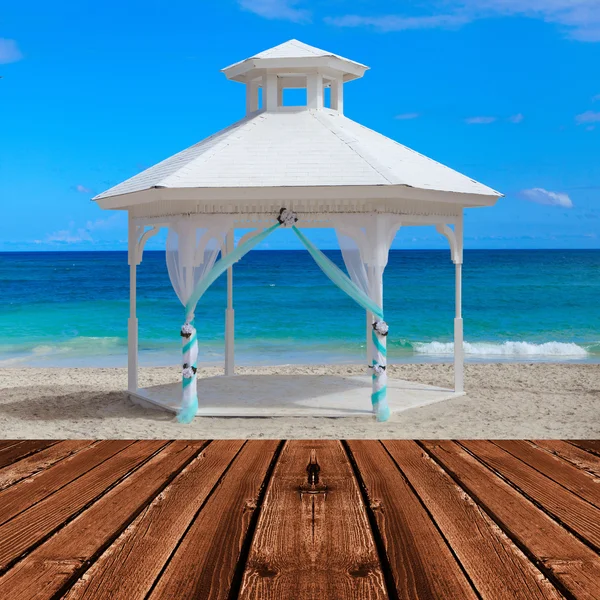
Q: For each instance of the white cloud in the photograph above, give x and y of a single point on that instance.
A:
(398, 22)
(83, 189)
(542, 196)
(285, 10)
(588, 117)
(578, 19)
(516, 118)
(76, 235)
(406, 116)
(480, 120)
(9, 51)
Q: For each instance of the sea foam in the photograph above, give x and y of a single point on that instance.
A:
(506, 349)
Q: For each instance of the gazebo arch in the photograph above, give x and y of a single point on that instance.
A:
(328, 170)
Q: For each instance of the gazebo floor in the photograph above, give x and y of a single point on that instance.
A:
(230, 519)
(292, 396)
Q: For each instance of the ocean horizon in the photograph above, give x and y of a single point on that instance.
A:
(70, 309)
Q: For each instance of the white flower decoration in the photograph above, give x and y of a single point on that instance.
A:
(381, 327)
(188, 372)
(378, 369)
(187, 330)
(287, 217)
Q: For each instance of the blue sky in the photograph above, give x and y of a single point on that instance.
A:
(92, 93)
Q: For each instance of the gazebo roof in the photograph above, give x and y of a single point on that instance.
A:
(304, 148)
(292, 55)
(285, 153)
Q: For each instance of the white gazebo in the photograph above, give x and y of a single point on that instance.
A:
(299, 167)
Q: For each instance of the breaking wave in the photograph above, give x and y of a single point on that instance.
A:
(511, 349)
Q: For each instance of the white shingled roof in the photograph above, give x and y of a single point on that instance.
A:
(293, 49)
(299, 148)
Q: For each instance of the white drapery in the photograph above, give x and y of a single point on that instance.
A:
(192, 249)
(365, 242)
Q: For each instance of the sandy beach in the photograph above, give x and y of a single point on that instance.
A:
(504, 400)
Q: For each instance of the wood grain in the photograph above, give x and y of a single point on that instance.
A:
(589, 445)
(316, 543)
(27, 493)
(577, 514)
(31, 526)
(26, 467)
(130, 566)
(565, 560)
(204, 563)
(45, 571)
(422, 564)
(14, 452)
(576, 456)
(577, 481)
(498, 569)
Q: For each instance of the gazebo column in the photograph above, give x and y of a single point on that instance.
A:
(455, 238)
(132, 323)
(229, 315)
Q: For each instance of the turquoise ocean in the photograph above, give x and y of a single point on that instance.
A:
(71, 309)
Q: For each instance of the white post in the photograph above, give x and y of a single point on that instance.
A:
(314, 90)
(269, 92)
(459, 358)
(132, 324)
(229, 315)
(337, 95)
(251, 97)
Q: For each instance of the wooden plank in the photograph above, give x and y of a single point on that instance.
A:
(421, 562)
(316, 543)
(26, 494)
(580, 458)
(26, 467)
(563, 558)
(17, 451)
(131, 565)
(30, 527)
(45, 572)
(588, 445)
(204, 564)
(8, 443)
(577, 514)
(497, 568)
(577, 481)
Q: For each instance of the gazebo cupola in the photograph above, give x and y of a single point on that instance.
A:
(294, 65)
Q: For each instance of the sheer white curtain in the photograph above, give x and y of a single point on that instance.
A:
(365, 242)
(193, 245)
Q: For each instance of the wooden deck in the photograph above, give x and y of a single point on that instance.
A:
(303, 519)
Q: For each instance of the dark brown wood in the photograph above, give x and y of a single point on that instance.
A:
(45, 571)
(14, 452)
(580, 458)
(31, 526)
(131, 565)
(497, 568)
(571, 510)
(204, 563)
(313, 538)
(423, 565)
(565, 560)
(8, 443)
(589, 445)
(564, 473)
(26, 467)
(27, 493)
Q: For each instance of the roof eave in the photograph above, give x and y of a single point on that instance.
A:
(283, 193)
